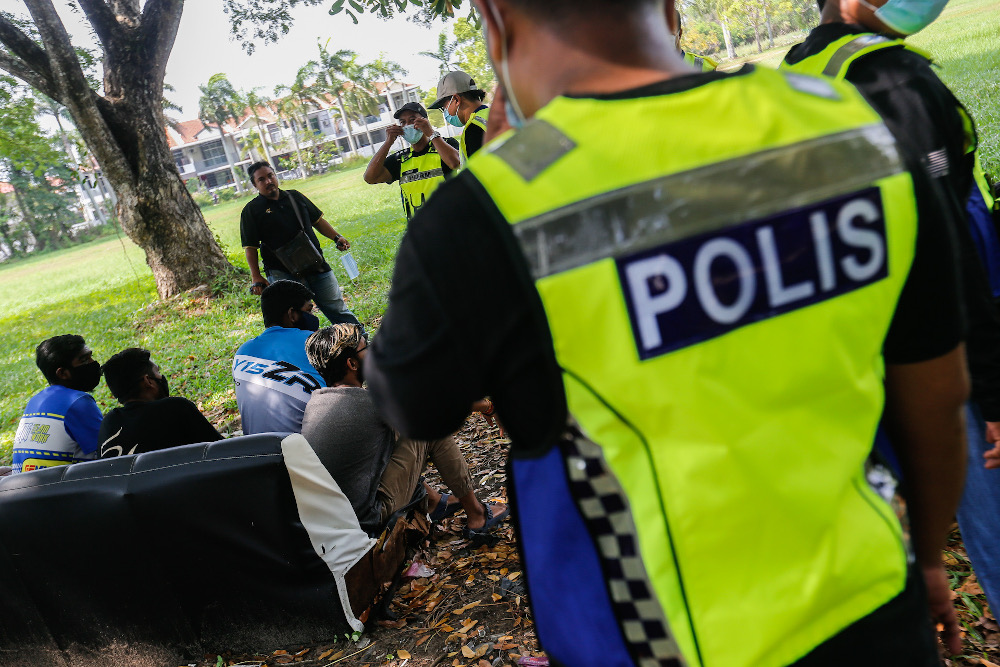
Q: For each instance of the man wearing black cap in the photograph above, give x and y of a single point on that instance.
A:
(422, 167)
(461, 102)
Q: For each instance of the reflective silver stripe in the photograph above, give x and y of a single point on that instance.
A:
(422, 175)
(718, 195)
(848, 51)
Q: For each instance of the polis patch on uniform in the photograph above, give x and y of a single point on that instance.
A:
(704, 286)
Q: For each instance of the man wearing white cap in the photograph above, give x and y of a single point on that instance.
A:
(461, 102)
(422, 167)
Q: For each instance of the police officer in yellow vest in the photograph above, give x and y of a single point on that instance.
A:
(864, 44)
(461, 103)
(422, 167)
(694, 326)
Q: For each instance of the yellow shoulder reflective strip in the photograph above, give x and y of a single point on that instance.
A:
(680, 205)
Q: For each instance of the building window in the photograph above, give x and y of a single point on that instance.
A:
(179, 159)
(213, 154)
(217, 179)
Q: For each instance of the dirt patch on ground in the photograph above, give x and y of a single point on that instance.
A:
(466, 606)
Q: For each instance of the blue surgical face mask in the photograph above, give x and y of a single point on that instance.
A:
(907, 16)
(412, 134)
(515, 117)
(451, 120)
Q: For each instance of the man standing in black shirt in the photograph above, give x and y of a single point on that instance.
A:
(149, 419)
(273, 219)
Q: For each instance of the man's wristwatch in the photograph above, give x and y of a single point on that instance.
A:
(436, 135)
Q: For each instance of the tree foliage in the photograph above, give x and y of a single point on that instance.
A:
(37, 213)
(257, 22)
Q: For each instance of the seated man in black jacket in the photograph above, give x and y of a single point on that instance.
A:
(149, 418)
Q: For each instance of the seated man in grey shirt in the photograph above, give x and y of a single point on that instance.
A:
(377, 470)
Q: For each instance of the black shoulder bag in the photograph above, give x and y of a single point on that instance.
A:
(299, 255)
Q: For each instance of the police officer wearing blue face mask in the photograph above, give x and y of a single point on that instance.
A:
(422, 167)
(861, 42)
(691, 328)
(461, 102)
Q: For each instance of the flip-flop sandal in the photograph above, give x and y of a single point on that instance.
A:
(492, 521)
(443, 510)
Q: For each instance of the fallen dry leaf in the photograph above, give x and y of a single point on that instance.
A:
(405, 655)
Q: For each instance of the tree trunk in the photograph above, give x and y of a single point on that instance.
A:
(770, 31)
(123, 128)
(364, 121)
(154, 208)
(728, 36)
(229, 159)
(347, 124)
(298, 151)
(756, 36)
(44, 236)
(263, 142)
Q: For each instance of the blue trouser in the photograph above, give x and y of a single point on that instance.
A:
(327, 295)
(979, 512)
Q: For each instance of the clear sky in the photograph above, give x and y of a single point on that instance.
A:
(204, 46)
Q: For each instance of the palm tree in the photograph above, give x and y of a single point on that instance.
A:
(387, 71)
(253, 101)
(329, 69)
(217, 105)
(298, 97)
(445, 53)
(361, 96)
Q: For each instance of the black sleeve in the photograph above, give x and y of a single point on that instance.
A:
(248, 229)
(930, 318)
(393, 165)
(445, 168)
(310, 209)
(464, 321)
(473, 139)
(195, 425)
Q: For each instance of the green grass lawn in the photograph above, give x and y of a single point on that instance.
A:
(104, 291)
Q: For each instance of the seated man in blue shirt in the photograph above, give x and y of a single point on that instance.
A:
(274, 379)
(61, 422)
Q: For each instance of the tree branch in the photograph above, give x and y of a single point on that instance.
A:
(73, 87)
(160, 20)
(67, 73)
(20, 69)
(102, 18)
(126, 8)
(27, 54)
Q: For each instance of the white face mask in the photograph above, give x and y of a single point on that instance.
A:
(515, 117)
(907, 16)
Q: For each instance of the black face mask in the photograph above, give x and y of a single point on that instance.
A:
(307, 321)
(164, 386)
(85, 377)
